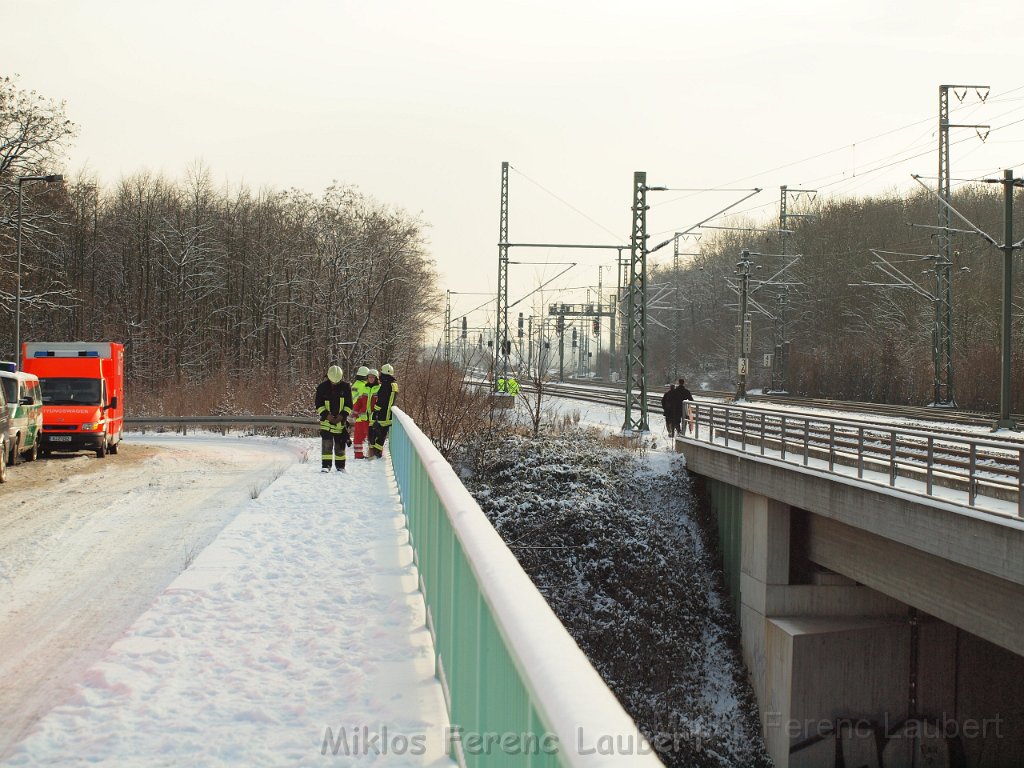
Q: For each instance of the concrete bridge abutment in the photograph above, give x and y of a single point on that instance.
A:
(862, 648)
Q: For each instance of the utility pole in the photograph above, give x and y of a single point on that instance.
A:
(636, 314)
(501, 322)
(614, 306)
(529, 347)
(780, 342)
(1008, 247)
(942, 334)
(678, 314)
(464, 334)
(447, 326)
(560, 329)
(600, 298)
(677, 300)
(780, 352)
(743, 327)
(620, 301)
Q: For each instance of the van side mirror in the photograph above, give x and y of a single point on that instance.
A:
(113, 402)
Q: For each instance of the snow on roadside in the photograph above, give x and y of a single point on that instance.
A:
(299, 630)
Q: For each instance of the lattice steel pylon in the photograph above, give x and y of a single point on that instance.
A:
(636, 313)
(501, 321)
(447, 326)
(942, 332)
(780, 342)
(677, 303)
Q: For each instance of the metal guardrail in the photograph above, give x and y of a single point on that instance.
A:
(968, 470)
(296, 422)
(507, 665)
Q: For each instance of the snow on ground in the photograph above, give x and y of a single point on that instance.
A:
(298, 631)
(87, 544)
(611, 537)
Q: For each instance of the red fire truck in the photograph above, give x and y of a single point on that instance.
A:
(83, 394)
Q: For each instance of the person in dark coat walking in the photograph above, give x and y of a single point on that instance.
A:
(685, 413)
(669, 407)
(333, 405)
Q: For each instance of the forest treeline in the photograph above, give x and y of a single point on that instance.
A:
(848, 339)
(234, 299)
(224, 298)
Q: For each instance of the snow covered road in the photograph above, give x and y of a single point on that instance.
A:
(86, 545)
(296, 637)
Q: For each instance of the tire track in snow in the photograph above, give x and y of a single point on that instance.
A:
(87, 544)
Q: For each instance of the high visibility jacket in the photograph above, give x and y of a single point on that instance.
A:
(372, 399)
(385, 400)
(512, 386)
(361, 399)
(501, 384)
(333, 400)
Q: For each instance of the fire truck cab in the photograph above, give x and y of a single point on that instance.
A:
(83, 394)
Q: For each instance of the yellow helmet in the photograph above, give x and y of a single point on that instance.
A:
(373, 372)
(388, 369)
(334, 374)
(363, 371)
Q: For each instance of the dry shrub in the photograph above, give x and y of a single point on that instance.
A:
(444, 403)
(224, 394)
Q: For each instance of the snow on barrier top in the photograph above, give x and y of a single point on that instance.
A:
(508, 666)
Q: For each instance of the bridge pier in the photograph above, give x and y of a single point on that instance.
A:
(822, 646)
(847, 657)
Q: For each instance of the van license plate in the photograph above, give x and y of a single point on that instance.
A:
(61, 438)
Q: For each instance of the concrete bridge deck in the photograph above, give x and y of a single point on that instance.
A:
(865, 599)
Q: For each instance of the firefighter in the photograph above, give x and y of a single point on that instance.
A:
(373, 386)
(511, 385)
(361, 411)
(380, 420)
(333, 406)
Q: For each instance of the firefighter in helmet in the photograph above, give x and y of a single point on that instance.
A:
(361, 411)
(333, 406)
(380, 418)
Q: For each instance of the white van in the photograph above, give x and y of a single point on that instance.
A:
(24, 411)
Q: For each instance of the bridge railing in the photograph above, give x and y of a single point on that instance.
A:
(960, 469)
(507, 665)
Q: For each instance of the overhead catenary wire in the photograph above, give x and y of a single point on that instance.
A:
(873, 166)
(875, 169)
(858, 178)
(565, 202)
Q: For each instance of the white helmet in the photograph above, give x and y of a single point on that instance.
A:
(334, 374)
(373, 372)
(388, 369)
(363, 371)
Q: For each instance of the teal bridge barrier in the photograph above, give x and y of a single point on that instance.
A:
(518, 690)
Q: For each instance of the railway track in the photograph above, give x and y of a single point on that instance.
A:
(924, 451)
(937, 420)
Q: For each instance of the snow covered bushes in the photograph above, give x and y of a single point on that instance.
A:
(611, 540)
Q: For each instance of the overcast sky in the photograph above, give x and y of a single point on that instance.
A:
(418, 102)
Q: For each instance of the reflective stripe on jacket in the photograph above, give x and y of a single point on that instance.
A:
(385, 400)
(333, 399)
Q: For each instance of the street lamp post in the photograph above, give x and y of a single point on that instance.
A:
(17, 305)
